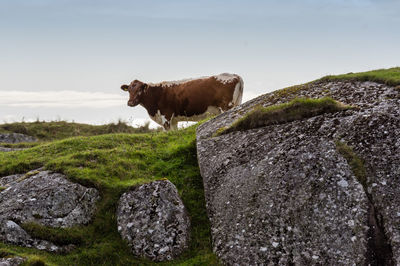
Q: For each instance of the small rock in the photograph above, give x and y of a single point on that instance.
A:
(157, 207)
(14, 261)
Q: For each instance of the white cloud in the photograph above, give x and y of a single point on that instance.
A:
(65, 99)
(73, 99)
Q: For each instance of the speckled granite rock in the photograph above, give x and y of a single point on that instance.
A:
(45, 198)
(5, 149)
(14, 261)
(153, 219)
(284, 195)
(12, 233)
(15, 138)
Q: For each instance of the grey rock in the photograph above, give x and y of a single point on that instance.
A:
(12, 233)
(14, 261)
(5, 149)
(282, 194)
(375, 136)
(15, 138)
(153, 220)
(293, 201)
(9, 180)
(45, 198)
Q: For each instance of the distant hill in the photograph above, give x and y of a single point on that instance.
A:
(62, 129)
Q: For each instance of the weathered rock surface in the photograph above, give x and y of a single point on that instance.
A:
(153, 219)
(15, 261)
(284, 195)
(45, 198)
(15, 138)
(5, 149)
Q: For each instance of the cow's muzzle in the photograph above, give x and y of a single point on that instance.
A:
(132, 103)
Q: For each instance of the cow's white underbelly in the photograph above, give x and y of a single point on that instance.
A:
(161, 119)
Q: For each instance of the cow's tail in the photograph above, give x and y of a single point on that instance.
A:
(238, 93)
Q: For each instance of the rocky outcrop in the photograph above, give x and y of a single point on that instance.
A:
(5, 149)
(45, 198)
(15, 138)
(153, 220)
(284, 194)
(14, 261)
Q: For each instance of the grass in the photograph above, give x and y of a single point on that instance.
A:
(34, 261)
(390, 76)
(113, 163)
(46, 131)
(298, 108)
(58, 236)
(355, 162)
(21, 144)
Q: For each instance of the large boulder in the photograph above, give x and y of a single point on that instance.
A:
(154, 221)
(45, 198)
(285, 194)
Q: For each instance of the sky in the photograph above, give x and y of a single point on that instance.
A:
(66, 59)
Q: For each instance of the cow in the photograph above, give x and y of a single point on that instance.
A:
(169, 102)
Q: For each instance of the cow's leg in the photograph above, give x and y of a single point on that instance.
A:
(167, 125)
(174, 124)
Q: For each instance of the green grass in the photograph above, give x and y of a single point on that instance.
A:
(355, 162)
(298, 108)
(60, 130)
(34, 261)
(113, 163)
(21, 145)
(390, 76)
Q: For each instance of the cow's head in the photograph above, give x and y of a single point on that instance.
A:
(135, 89)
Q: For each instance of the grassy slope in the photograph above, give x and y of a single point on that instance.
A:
(112, 163)
(390, 76)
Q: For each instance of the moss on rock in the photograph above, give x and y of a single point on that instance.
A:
(296, 109)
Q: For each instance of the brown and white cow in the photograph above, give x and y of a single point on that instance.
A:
(169, 102)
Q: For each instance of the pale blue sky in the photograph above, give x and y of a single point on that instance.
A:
(67, 58)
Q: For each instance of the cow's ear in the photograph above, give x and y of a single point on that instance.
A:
(124, 87)
(144, 86)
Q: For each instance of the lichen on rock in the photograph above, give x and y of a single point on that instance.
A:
(12, 138)
(45, 198)
(13, 261)
(15, 138)
(153, 220)
(284, 194)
